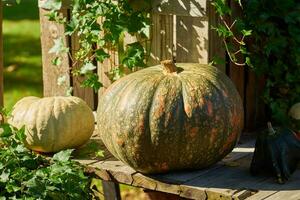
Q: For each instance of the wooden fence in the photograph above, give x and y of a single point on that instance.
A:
(187, 36)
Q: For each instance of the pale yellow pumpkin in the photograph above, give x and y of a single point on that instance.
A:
(53, 123)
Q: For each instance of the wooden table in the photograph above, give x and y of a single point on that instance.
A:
(228, 179)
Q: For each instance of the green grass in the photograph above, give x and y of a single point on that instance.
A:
(22, 52)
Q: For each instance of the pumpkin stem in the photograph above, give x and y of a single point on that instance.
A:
(169, 66)
(271, 129)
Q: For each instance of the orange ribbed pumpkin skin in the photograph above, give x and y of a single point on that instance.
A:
(157, 121)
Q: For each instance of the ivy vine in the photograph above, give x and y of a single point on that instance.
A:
(267, 35)
(100, 26)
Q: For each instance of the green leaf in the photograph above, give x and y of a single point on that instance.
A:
(63, 156)
(223, 31)
(20, 134)
(59, 47)
(4, 177)
(100, 154)
(61, 80)
(69, 91)
(92, 81)
(246, 32)
(56, 61)
(87, 68)
(101, 55)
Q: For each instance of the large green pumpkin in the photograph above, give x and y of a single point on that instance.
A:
(53, 123)
(168, 117)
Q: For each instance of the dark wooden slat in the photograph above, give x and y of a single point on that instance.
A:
(162, 36)
(250, 101)
(215, 48)
(111, 190)
(87, 94)
(237, 73)
(1, 57)
(49, 32)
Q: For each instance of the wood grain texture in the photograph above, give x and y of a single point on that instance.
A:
(87, 94)
(261, 195)
(49, 32)
(162, 36)
(1, 58)
(195, 8)
(286, 195)
(111, 190)
(192, 39)
(105, 68)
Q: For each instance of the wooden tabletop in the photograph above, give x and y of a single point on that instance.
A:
(228, 179)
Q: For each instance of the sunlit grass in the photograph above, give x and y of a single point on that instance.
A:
(22, 52)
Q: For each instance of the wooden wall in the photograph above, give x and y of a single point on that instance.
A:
(185, 37)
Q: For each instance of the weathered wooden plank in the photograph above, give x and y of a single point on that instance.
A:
(191, 192)
(87, 94)
(215, 43)
(192, 39)
(116, 171)
(111, 190)
(196, 8)
(140, 180)
(180, 177)
(286, 195)
(1, 58)
(49, 32)
(162, 36)
(225, 182)
(261, 195)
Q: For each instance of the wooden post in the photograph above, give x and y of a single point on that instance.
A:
(111, 190)
(1, 57)
(51, 31)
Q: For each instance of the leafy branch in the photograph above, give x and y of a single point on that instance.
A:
(100, 27)
(27, 175)
(266, 35)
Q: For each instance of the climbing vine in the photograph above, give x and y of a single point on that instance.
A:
(100, 26)
(267, 35)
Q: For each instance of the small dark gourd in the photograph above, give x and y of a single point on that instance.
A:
(171, 117)
(277, 151)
